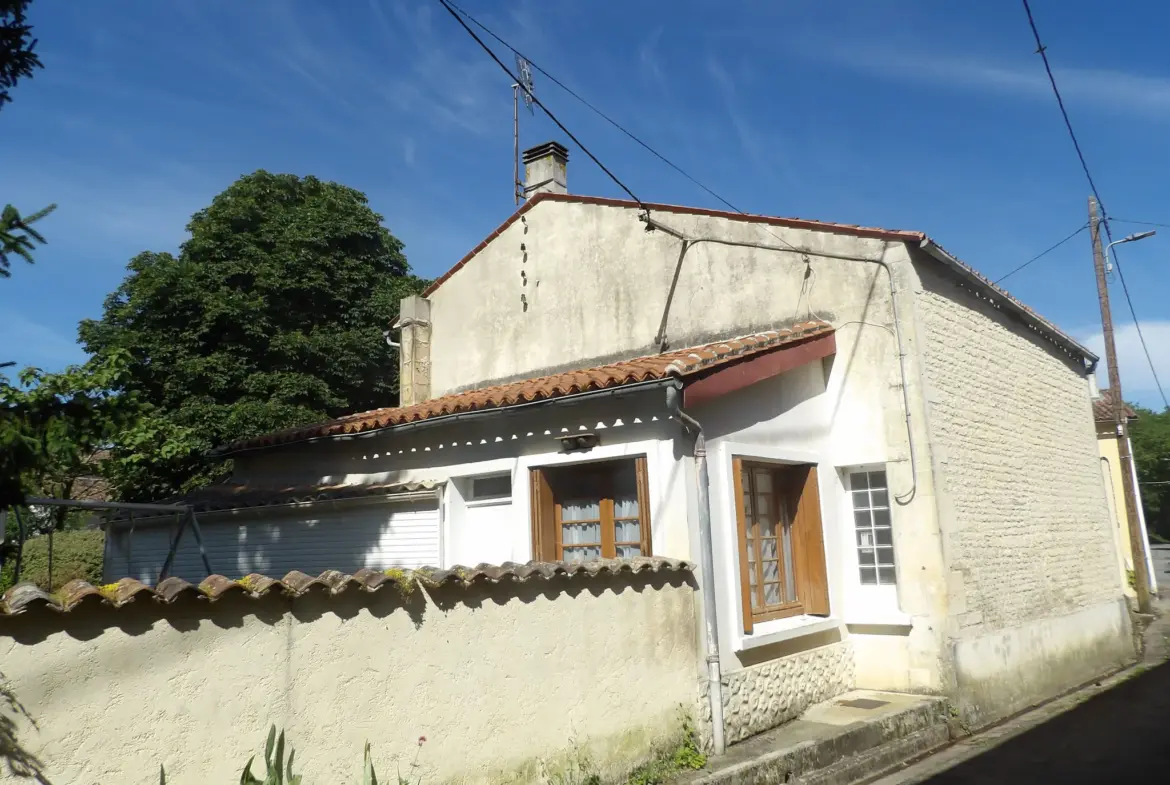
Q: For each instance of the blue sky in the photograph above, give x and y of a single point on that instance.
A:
(895, 113)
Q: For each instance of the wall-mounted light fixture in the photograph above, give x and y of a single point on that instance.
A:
(579, 442)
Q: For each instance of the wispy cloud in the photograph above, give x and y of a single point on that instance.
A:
(765, 151)
(1106, 89)
(1136, 378)
(32, 343)
(648, 56)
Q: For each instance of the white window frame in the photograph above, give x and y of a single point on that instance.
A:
(873, 604)
(471, 500)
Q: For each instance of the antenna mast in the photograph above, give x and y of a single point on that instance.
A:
(524, 74)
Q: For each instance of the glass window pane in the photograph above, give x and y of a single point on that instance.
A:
(868, 576)
(862, 519)
(771, 571)
(768, 549)
(865, 556)
(763, 506)
(860, 500)
(865, 539)
(763, 480)
(881, 517)
(880, 498)
(789, 572)
(877, 479)
(885, 556)
(491, 487)
(625, 490)
(576, 554)
(580, 510)
(628, 551)
(772, 594)
(884, 536)
(859, 480)
(886, 576)
(625, 508)
(580, 533)
(627, 531)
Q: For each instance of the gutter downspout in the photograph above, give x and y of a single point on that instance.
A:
(706, 566)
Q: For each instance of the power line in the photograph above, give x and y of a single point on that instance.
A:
(1042, 51)
(537, 101)
(452, 6)
(1042, 254)
(595, 110)
(1143, 223)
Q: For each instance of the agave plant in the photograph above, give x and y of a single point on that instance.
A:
(280, 773)
(277, 772)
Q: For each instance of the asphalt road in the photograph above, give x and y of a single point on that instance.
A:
(1117, 735)
(1161, 557)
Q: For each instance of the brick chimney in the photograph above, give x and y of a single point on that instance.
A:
(414, 351)
(544, 169)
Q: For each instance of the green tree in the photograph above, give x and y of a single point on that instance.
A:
(18, 60)
(18, 237)
(272, 315)
(52, 424)
(1150, 435)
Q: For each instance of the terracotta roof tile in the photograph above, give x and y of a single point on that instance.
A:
(26, 597)
(683, 363)
(1103, 407)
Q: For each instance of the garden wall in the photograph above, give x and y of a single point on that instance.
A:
(502, 670)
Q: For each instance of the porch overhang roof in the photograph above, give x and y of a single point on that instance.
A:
(705, 372)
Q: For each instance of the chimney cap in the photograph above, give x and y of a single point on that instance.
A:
(555, 149)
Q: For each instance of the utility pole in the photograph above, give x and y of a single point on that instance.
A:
(1136, 545)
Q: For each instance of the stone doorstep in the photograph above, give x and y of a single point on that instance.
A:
(835, 744)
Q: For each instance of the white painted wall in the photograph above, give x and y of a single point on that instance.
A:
(632, 426)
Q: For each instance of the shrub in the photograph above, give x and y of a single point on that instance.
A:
(76, 554)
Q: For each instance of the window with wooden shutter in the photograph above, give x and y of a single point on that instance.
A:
(781, 543)
(590, 511)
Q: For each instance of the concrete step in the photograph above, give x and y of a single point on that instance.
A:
(853, 737)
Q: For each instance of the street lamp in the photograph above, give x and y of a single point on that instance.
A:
(1130, 239)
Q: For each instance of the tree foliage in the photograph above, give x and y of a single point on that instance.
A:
(18, 237)
(18, 58)
(76, 554)
(272, 315)
(52, 424)
(1150, 435)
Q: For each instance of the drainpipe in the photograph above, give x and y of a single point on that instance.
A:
(706, 567)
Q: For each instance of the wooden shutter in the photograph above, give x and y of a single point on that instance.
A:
(741, 528)
(644, 503)
(808, 541)
(544, 528)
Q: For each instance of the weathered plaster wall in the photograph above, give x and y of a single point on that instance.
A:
(496, 678)
(1026, 527)
(592, 276)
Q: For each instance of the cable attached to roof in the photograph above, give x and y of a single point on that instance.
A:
(538, 102)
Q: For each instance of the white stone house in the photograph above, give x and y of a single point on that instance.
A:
(897, 472)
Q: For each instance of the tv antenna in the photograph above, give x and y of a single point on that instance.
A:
(524, 74)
